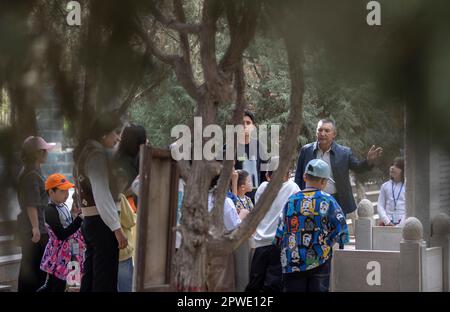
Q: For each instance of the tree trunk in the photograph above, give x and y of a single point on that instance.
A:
(190, 264)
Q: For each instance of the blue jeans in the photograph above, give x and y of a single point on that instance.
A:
(315, 280)
(125, 276)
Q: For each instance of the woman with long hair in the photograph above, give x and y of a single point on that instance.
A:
(97, 196)
(126, 169)
(127, 155)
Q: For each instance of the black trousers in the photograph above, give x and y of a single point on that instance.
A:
(265, 272)
(101, 262)
(30, 275)
(53, 284)
(315, 280)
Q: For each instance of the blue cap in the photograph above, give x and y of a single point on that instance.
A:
(319, 168)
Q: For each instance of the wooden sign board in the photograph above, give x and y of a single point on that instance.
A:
(156, 219)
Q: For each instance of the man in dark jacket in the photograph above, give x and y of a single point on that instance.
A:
(250, 154)
(341, 160)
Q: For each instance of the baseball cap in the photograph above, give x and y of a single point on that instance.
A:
(319, 168)
(35, 143)
(59, 181)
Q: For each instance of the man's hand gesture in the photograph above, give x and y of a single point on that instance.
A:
(374, 153)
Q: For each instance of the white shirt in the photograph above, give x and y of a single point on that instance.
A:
(325, 156)
(391, 210)
(231, 218)
(265, 232)
(65, 217)
(97, 172)
(135, 186)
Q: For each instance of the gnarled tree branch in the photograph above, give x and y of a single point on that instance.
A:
(182, 68)
(227, 243)
(218, 88)
(150, 88)
(184, 75)
(145, 35)
(184, 40)
(224, 180)
(242, 23)
(179, 25)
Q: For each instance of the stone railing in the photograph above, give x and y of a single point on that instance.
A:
(413, 267)
(371, 237)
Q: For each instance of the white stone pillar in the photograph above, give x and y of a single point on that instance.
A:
(363, 225)
(417, 170)
(440, 237)
(412, 251)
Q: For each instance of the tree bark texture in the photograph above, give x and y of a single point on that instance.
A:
(224, 81)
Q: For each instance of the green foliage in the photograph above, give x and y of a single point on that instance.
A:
(168, 106)
(5, 109)
(362, 119)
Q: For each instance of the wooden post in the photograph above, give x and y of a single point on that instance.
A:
(156, 220)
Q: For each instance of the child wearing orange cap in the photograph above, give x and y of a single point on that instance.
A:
(65, 247)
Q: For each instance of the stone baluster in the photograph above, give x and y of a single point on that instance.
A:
(363, 225)
(412, 253)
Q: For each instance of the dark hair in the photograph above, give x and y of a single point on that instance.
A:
(250, 115)
(214, 182)
(270, 173)
(102, 125)
(399, 162)
(242, 177)
(327, 120)
(53, 189)
(313, 178)
(132, 137)
(29, 157)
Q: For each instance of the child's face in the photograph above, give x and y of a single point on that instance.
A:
(248, 186)
(395, 173)
(58, 196)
